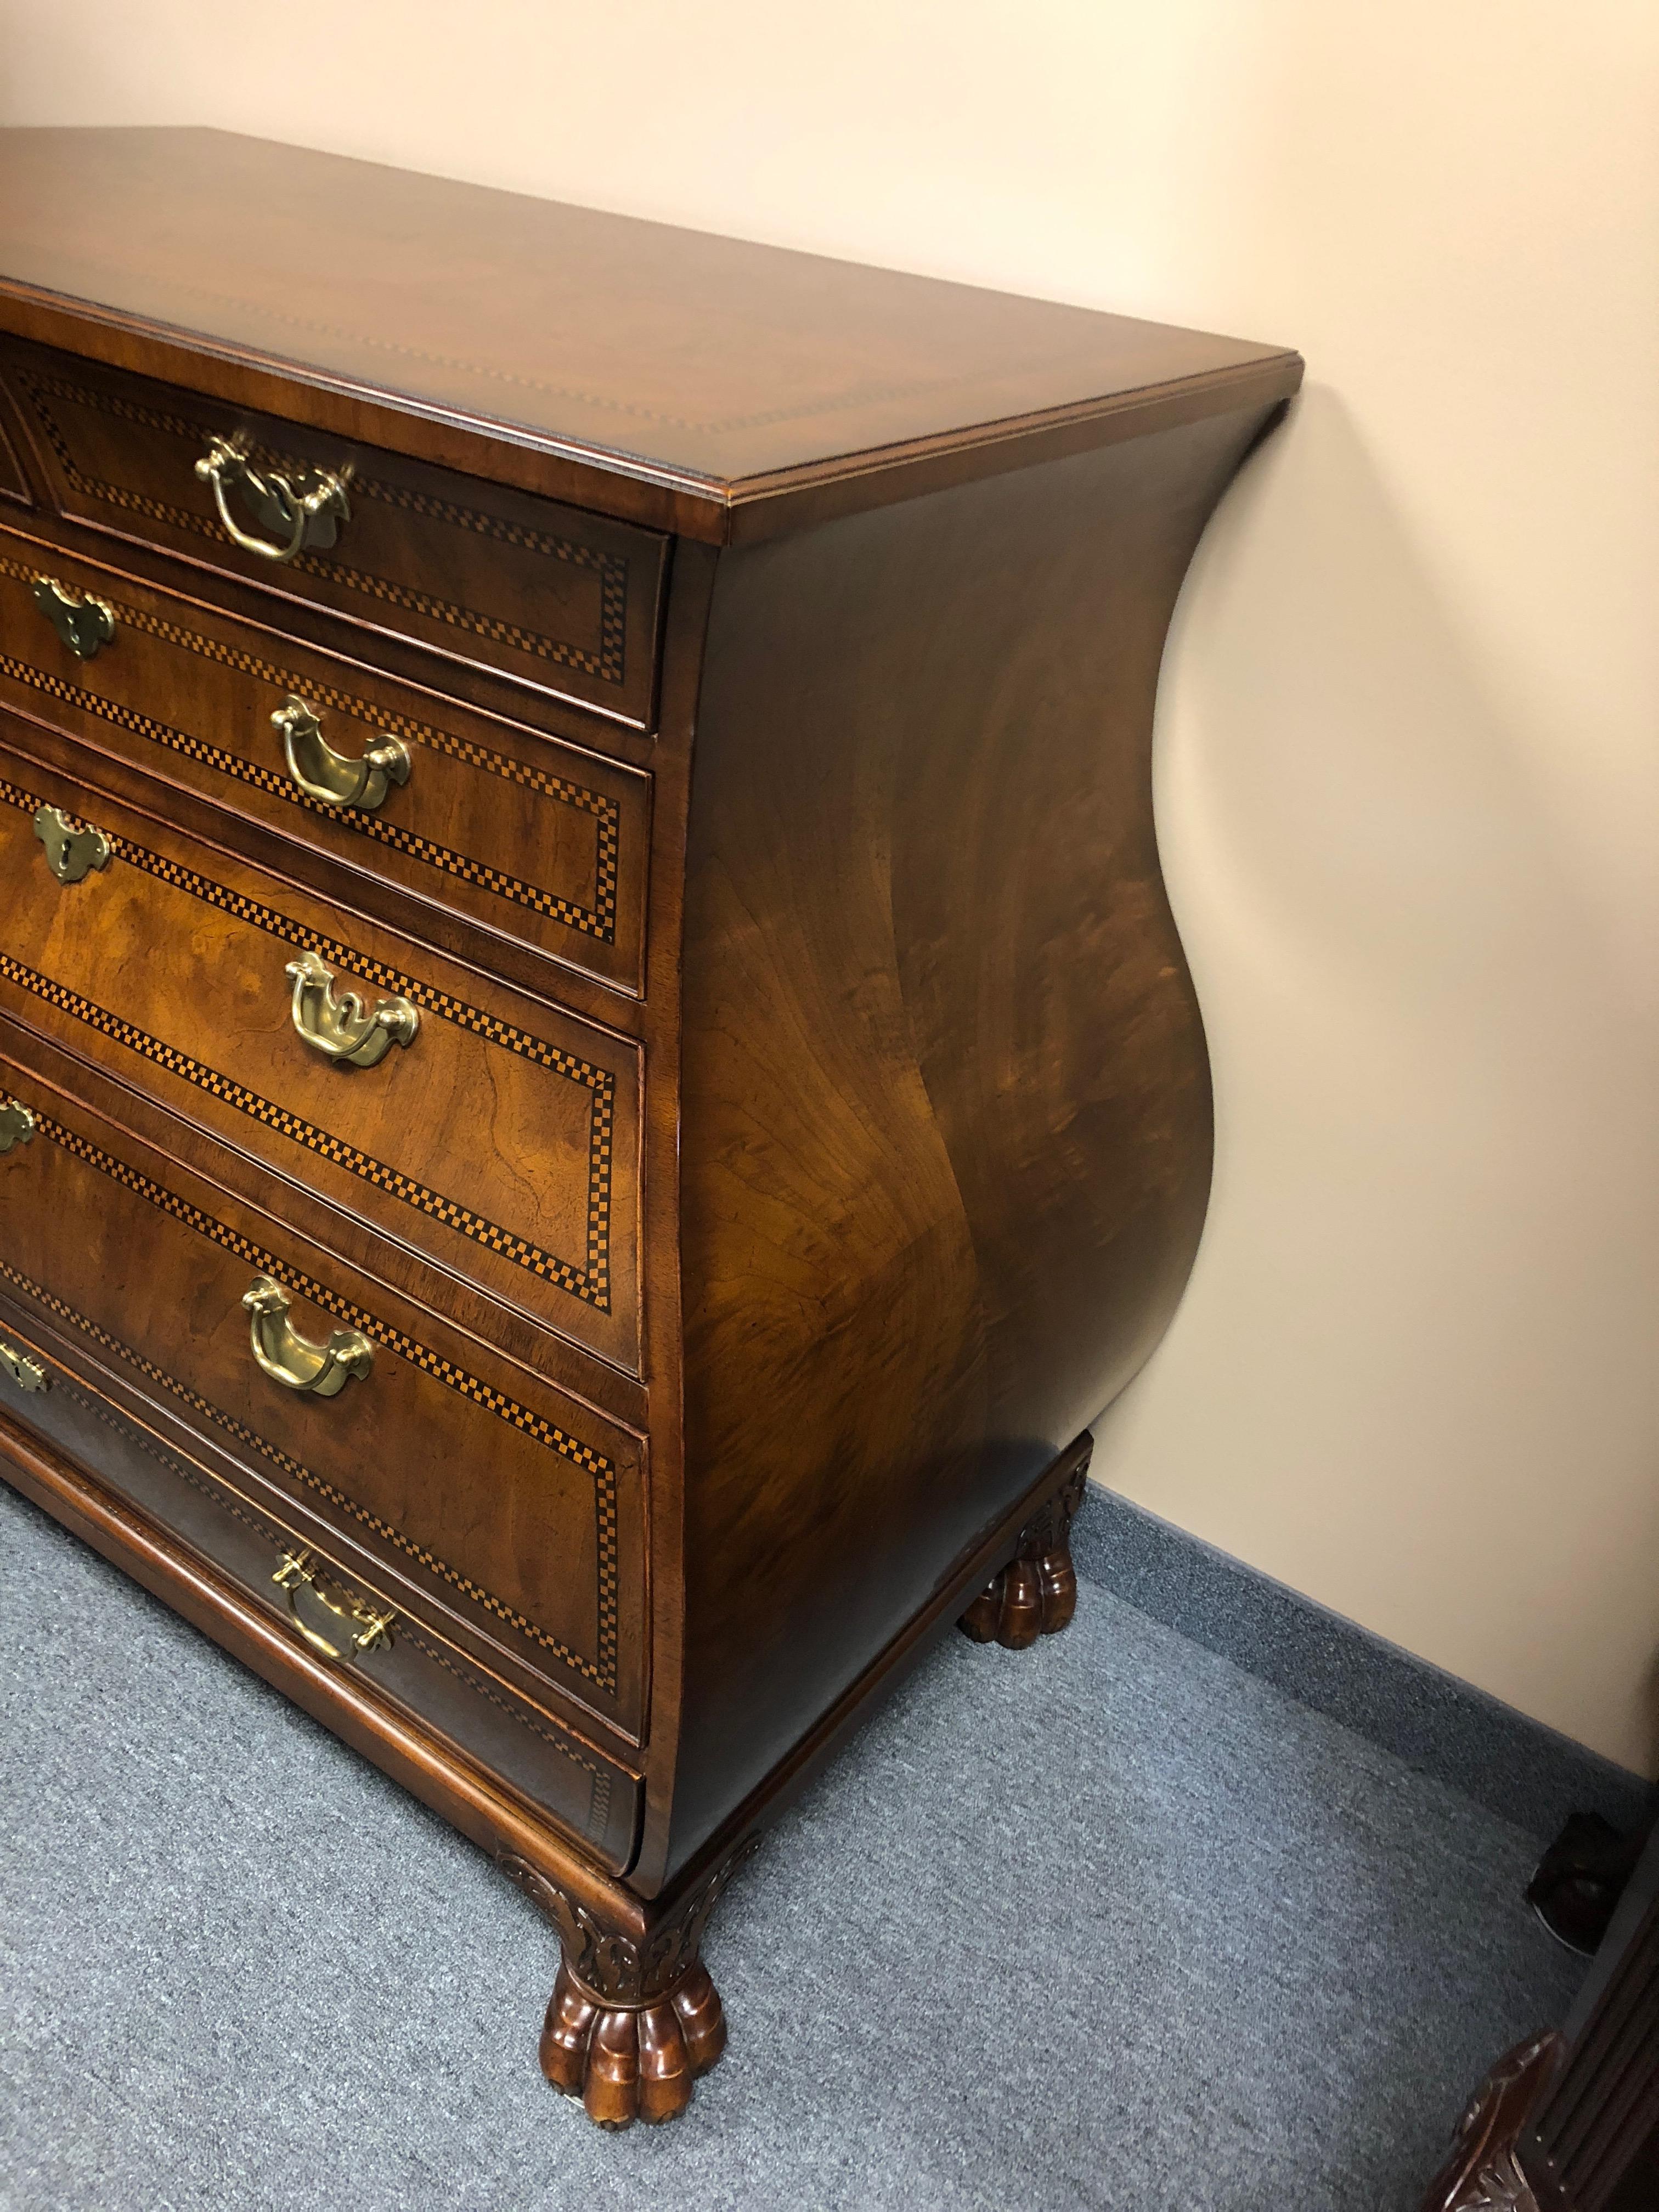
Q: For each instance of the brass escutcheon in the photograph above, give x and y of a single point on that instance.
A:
(347, 1627)
(70, 853)
(27, 1374)
(305, 510)
(16, 1124)
(344, 1029)
(85, 625)
(321, 1370)
(329, 777)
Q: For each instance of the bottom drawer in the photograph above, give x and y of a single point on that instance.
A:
(334, 1611)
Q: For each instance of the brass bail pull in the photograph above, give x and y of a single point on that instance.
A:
(329, 777)
(343, 1028)
(332, 1623)
(321, 1370)
(86, 625)
(303, 511)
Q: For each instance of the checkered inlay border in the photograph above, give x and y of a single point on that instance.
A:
(597, 921)
(591, 1283)
(602, 1471)
(219, 1494)
(608, 663)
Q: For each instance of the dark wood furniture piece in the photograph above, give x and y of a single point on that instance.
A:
(1569, 2122)
(597, 1078)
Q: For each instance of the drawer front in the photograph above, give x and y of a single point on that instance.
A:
(506, 1154)
(44, 1384)
(511, 832)
(563, 602)
(512, 1523)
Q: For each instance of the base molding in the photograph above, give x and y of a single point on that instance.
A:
(1437, 1724)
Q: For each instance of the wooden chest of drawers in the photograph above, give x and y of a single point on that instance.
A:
(597, 1080)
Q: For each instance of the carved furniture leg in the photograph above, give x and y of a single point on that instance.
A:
(1483, 2172)
(1035, 1594)
(1569, 2122)
(631, 2025)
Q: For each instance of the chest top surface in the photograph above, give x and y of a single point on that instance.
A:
(710, 368)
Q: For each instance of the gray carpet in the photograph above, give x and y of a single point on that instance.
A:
(1109, 1924)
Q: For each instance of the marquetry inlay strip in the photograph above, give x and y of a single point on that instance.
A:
(598, 921)
(600, 1469)
(611, 569)
(226, 1500)
(591, 1284)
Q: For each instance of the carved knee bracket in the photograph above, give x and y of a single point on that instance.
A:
(1035, 1594)
(631, 2026)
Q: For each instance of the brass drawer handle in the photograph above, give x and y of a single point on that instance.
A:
(27, 1374)
(347, 1629)
(85, 625)
(320, 1370)
(305, 511)
(346, 1029)
(16, 1124)
(70, 853)
(327, 777)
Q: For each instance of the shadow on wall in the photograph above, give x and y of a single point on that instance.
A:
(1410, 1376)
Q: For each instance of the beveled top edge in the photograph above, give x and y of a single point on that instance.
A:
(673, 325)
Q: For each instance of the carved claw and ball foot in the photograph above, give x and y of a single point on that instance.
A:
(634, 2021)
(1035, 1594)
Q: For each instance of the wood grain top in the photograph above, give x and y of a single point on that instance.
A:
(665, 373)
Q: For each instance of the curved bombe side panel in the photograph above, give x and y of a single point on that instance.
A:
(946, 1097)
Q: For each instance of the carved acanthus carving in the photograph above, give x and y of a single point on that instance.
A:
(615, 1969)
(631, 2025)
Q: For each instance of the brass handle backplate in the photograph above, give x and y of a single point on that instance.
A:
(85, 625)
(16, 1124)
(322, 1371)
(303, 511)
(70, 853)
(341, 1627)
(27, 1374)
(327, 777)
(344, 1029)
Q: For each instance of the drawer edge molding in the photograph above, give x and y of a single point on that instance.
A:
(590, 1284)
(544, 1727)
(601, 1669)
(277, 1536)
(597, 921)
(39, 384)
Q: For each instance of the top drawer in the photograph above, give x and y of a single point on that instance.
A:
(561, 602)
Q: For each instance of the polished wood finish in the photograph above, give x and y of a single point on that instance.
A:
(95, 1408)
(720, 389)
(511, 1514)
(807, 1128)
(430, 1147)
(479, 788)
(1569, 2121)
(558, 601)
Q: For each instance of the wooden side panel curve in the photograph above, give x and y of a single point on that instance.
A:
(946, 1099)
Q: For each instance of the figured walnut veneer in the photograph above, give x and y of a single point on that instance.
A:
(805, 1126)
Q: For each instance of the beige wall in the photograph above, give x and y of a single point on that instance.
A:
(1408, 734)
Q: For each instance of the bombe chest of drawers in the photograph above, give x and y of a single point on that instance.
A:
(597, 1078)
